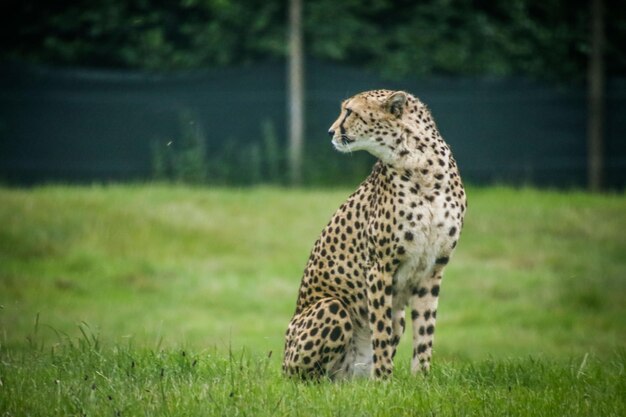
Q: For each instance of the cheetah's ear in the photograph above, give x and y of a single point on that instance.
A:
(394, 104)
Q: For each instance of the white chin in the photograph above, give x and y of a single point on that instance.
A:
(346, 147)
(340, 147)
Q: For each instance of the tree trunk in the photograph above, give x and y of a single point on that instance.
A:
(595, 124)
(296, 92)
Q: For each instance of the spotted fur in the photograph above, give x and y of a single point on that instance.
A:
(384, 249)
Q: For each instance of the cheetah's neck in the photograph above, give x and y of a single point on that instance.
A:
(422, 153)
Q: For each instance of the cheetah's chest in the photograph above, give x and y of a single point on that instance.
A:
(428, 243)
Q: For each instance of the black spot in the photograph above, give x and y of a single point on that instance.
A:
(308, 345)
(421, 292)
(408, 236)
(334, 335)
(452, 231)
(347, 326)
(325, 332)
(414, 314)
(421, 330)
(333, 308)
(319, 314)
(435, 290)
(430, 329)
(380, 325)
(421, 348)
(442, 261)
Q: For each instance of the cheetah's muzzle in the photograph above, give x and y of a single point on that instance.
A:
(345, 140)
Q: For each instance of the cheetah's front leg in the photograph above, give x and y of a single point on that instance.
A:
(398, 328)
(423, 315)
(379, 304)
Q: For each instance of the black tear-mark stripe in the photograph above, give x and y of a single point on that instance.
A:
(341, 128)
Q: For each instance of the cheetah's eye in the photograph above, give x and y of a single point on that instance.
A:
(348, 113)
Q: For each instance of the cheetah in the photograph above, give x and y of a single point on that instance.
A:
(384, 249)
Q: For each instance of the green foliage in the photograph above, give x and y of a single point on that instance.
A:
(396, 38)
(159, 160)
(272, 155)
(189, 160)
(144, 34)
(234, 162)
(239, 163)
(182, 160)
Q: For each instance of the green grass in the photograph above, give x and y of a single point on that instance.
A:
(102, 289)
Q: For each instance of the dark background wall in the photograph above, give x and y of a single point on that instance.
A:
(77, 125)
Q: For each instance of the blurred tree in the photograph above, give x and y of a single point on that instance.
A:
(152, 34)
(545, 39)
(295, 100)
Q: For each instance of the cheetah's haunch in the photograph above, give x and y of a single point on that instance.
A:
(385, 248)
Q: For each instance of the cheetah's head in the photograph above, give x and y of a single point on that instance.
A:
(370, 121)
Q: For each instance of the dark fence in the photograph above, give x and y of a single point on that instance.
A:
(227, 126)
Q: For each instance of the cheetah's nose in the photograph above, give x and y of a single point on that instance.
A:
(331, 133)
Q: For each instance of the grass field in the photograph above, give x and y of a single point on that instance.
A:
(163, 300)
